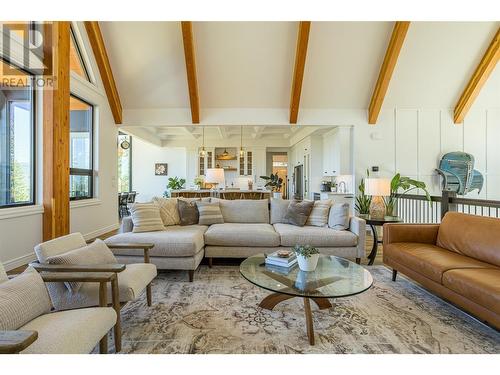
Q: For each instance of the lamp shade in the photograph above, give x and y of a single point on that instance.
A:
(378, 187)
(215, 176)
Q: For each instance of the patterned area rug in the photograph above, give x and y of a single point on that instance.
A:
(218, 313)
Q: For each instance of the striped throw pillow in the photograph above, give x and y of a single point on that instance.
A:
(95, 253)
(168, 210)
(319, 213)
(209, 213)
(146, 217)
(23, 299)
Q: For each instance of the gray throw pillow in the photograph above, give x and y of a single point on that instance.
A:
(209, 213)
(188, 212)
(23, 299)
(339, 217)
(93, 254)
(278, 210)
(298, 212)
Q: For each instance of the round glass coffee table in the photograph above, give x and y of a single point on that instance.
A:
(334, 277)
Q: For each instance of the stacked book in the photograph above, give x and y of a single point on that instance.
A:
(282, 258)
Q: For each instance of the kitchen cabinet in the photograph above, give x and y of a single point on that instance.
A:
(245, 163)
(337, 159)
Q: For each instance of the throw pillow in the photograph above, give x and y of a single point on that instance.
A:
(168, 210)
(146, 217)
(188, 212)
(278, 210)
(298, 212)
(339, 217)
(23, 299)
(95, 253)
(319, 213)
(209, 213)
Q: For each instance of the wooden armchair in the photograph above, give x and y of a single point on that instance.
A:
(132, 279)
(55, 332)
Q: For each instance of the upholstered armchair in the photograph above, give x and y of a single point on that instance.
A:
(132, 279)
(28, 326)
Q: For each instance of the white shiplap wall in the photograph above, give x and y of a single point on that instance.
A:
(411, 141)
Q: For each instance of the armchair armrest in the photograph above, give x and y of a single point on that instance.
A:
(13, 342)
(77, 268)
(419, 233)
(90, 277)
(133, 246)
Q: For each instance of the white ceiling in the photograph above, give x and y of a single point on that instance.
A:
(250, 64)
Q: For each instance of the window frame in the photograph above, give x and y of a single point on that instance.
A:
(80, 56)
(82, 171)
(33, 119)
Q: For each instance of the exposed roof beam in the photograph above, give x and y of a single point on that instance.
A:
(187, 38)
(298, 70)
(391, 57)
(101, 56)
(222, 132)
(478, 79)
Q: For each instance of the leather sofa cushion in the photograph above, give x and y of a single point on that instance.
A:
(479, 285)
(474, 236)
(234, 234)
(429, 260)
(174, 241)
(292, 235)
(245, 210)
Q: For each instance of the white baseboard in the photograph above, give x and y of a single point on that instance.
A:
(25, 259)
(18, 262)
(101, 231)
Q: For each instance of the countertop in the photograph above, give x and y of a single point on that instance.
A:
(332, 193)
(222, 190)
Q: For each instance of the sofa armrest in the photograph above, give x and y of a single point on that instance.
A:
(127, 225)
(358, 227)
(13, 342)
(419, 233)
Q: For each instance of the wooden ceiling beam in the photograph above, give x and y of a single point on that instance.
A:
(298, 70)
(478, 79)
(188, 41)
(101, 56)
(391, 57)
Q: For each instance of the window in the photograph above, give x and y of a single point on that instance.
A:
(76, 63)
(17, 132)
(81, 176)
(124, 163)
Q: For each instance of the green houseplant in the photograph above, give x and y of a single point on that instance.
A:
(307, 257)
(275, 182)
(401, 185)
(363, 201)
(174, 183)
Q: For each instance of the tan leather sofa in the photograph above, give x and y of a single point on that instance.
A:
(459, 260)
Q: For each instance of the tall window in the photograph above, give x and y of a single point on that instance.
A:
(76, 63)
(17, 165)
(124, 163)
(81, 155)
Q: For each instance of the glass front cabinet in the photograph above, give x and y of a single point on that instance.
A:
(246, 163)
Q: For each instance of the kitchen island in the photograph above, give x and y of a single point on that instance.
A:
(223, 194)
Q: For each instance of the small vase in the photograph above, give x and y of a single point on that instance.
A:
(308, 264)
(277, 195)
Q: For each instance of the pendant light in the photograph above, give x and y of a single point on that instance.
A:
(202, 151)
(242, 153)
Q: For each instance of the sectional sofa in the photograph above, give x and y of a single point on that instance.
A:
(250, 227)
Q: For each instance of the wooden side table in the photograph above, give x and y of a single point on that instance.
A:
(374, 222)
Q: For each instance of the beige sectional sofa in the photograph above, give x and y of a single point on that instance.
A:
(250, 227)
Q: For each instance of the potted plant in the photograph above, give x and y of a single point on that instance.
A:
(407, 184)
(174, 183)
(198, 181)
(307, 257)
(363, 201)
(275, 183)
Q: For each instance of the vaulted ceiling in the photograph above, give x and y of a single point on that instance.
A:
(249, 65)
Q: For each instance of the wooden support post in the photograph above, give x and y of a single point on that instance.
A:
(56, 132)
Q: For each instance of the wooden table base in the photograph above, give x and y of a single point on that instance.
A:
(272, 300)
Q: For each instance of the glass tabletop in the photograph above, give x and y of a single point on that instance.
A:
(333, 277)
(379, 220)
